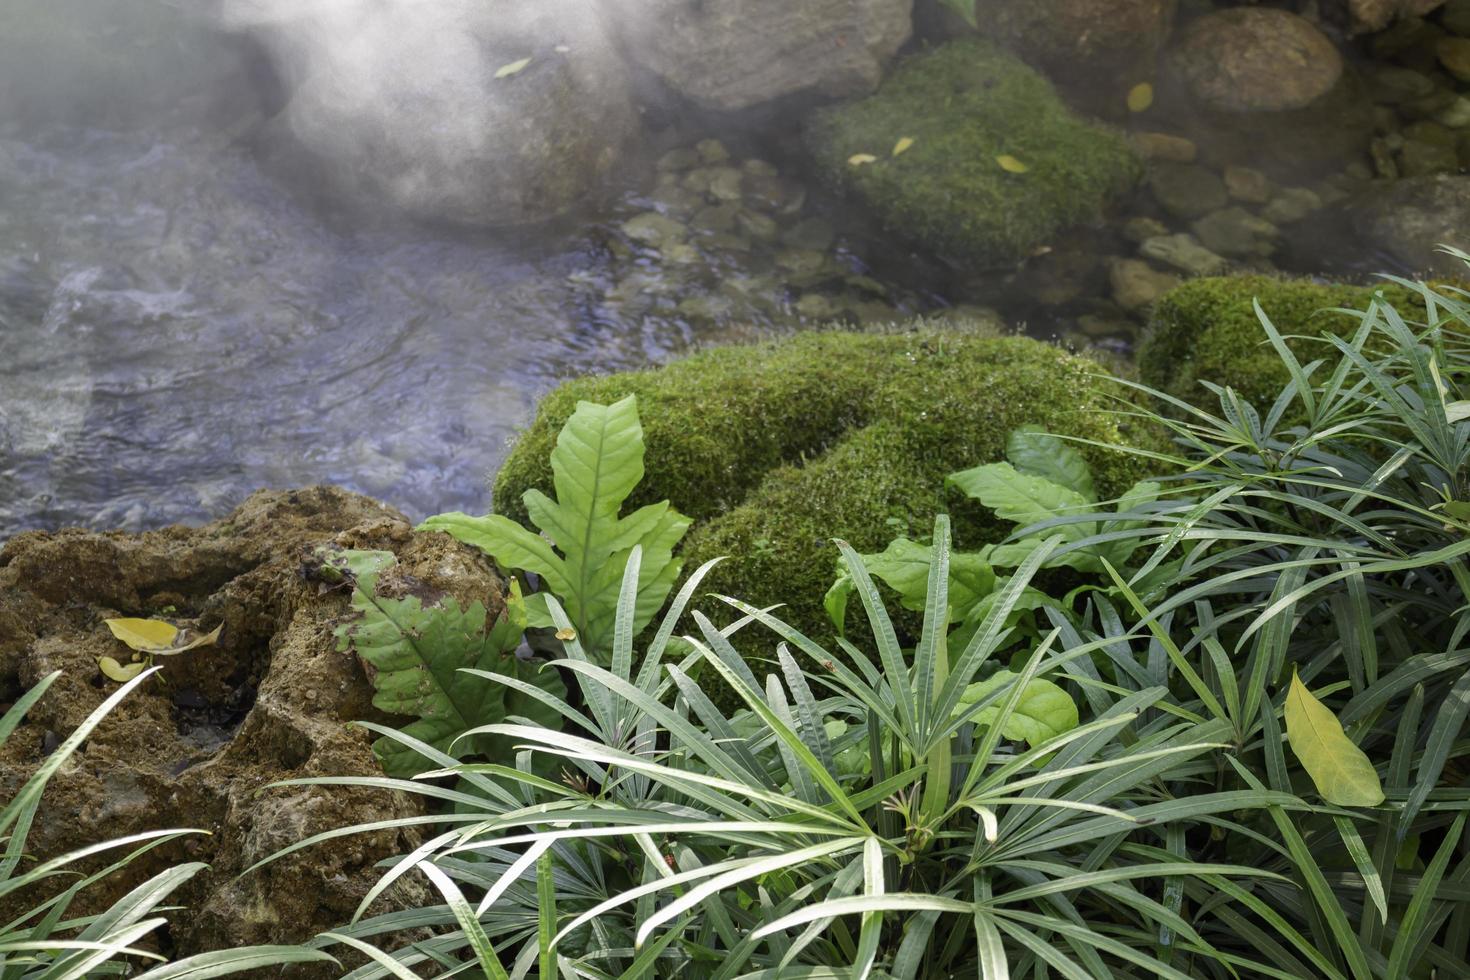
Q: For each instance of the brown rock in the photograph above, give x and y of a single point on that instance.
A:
(1367, 16)
(1256, 59)
(1164, 146)
(271, 700)
(1247, 184)
(1454, 56)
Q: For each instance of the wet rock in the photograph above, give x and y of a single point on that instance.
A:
(740, 53)
(717, 218)
(652, 228)
(1136, 284)
(1164, 146)
(1083, 44)
(1247, 184)
(1139, 229)
(1185, 253)
(1292, 204)
(1410, 218)
(1187, 190)
(1455, 17)
(816, 234)
(760, 168)
(1236, 233)
(725, 184)
(1367, 16)
(1391, 85)
(271, 700)
(502, 149)
(679, 159)
(712, 151)
(1418, 158)
(757, 225)
(1381, 151)
(671, 195)
(1454, 56)
(1456, 115)
(1256, 60)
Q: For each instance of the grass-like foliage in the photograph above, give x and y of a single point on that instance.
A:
(48, 941)
(597, 463)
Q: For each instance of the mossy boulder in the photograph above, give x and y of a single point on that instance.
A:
(977, 116)
(1207, 330)
(776, 449)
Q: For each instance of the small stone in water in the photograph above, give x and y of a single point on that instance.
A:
(1140, 229)
(1236, 232)
(757, 225)
(683, 158)
(1391, 85)
(815, 306)
(1137, 285)
(652, 228)
(1454, 55)
(1418, 158)
(725, 184)
(1186, 190)
(715, 218)
(1164, 146)
(813, 233)
(1292, 204)
(760, 168)
(1247, 184)
(712, 151)
(1185, 253)
(1456, 115)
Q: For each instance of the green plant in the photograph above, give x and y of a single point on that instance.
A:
(597, 463)
(415, 652)
(674, 847)
(46, 942)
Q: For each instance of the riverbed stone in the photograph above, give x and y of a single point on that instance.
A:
(1183, 252)
(1367, 16)
(1391, 84)
(1455, 17)
(1256, 60)
(272, 699)
(1454, 56)
(736, 54)
(1247, 184)
(1419, 157)
(461, 113)
(1164, 146)
(1291, 204)
(1410, 218)
(1136, 285)
(1236, 233)
(998, 165)
(652, 228)
(1187, 190)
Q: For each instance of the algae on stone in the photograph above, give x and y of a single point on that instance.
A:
(1207, 330)
(964, 105)
(777, 448)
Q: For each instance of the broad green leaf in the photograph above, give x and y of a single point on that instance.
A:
(414, 656)
(584, 544)
(1024, 497)
(1033, 450)
(1043, 712)
(1339, 769)
(904, 567)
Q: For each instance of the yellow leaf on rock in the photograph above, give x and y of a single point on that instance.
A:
(1140, 97)
(1010, 164)
(902, 145)
(858, 159)
(514, 68)
(1339, 769)
(146, 635)
(566, 634)
(118, 672)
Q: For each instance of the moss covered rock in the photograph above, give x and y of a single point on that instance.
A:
(997, 164)
(1207, 330)
(775, 449)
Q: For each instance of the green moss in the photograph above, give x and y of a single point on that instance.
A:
(965, 104)
(778, 448)
(1207, 330)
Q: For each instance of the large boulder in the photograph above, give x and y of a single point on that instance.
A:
(1083, 44)
(735, 54)
(1410, 219)
(459, 111)
(1265, 87)
(775, 449)
(997, 164)
(1207, 330)
(271, 700)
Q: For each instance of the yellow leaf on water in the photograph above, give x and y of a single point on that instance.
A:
(1140, 97)
(515, 67)
(902, 145)
(566, 634)
(858, 159)
(1010, 164)
(147, 635)
(118, 672)
(1339, 769)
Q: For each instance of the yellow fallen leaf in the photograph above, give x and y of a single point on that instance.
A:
(1339, 769)
(902, 145)
(1140, 97)
(118, 672)
(566, 634)
(515, 67)
(146, 635)
(186, 641)
(1010, 164)
(858, 159)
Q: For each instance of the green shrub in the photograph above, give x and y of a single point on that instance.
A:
(998, 163)
(1207, 330)
(774, 449)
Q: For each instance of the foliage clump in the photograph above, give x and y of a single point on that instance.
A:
(998, 164)
(776, 448)
(1207, 330)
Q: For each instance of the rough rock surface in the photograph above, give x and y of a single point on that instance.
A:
(1367, 16)
(735, 54)
(271, 700)
(1082, 41)
(1409, 219)
(1256, 59)
(457, 111)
